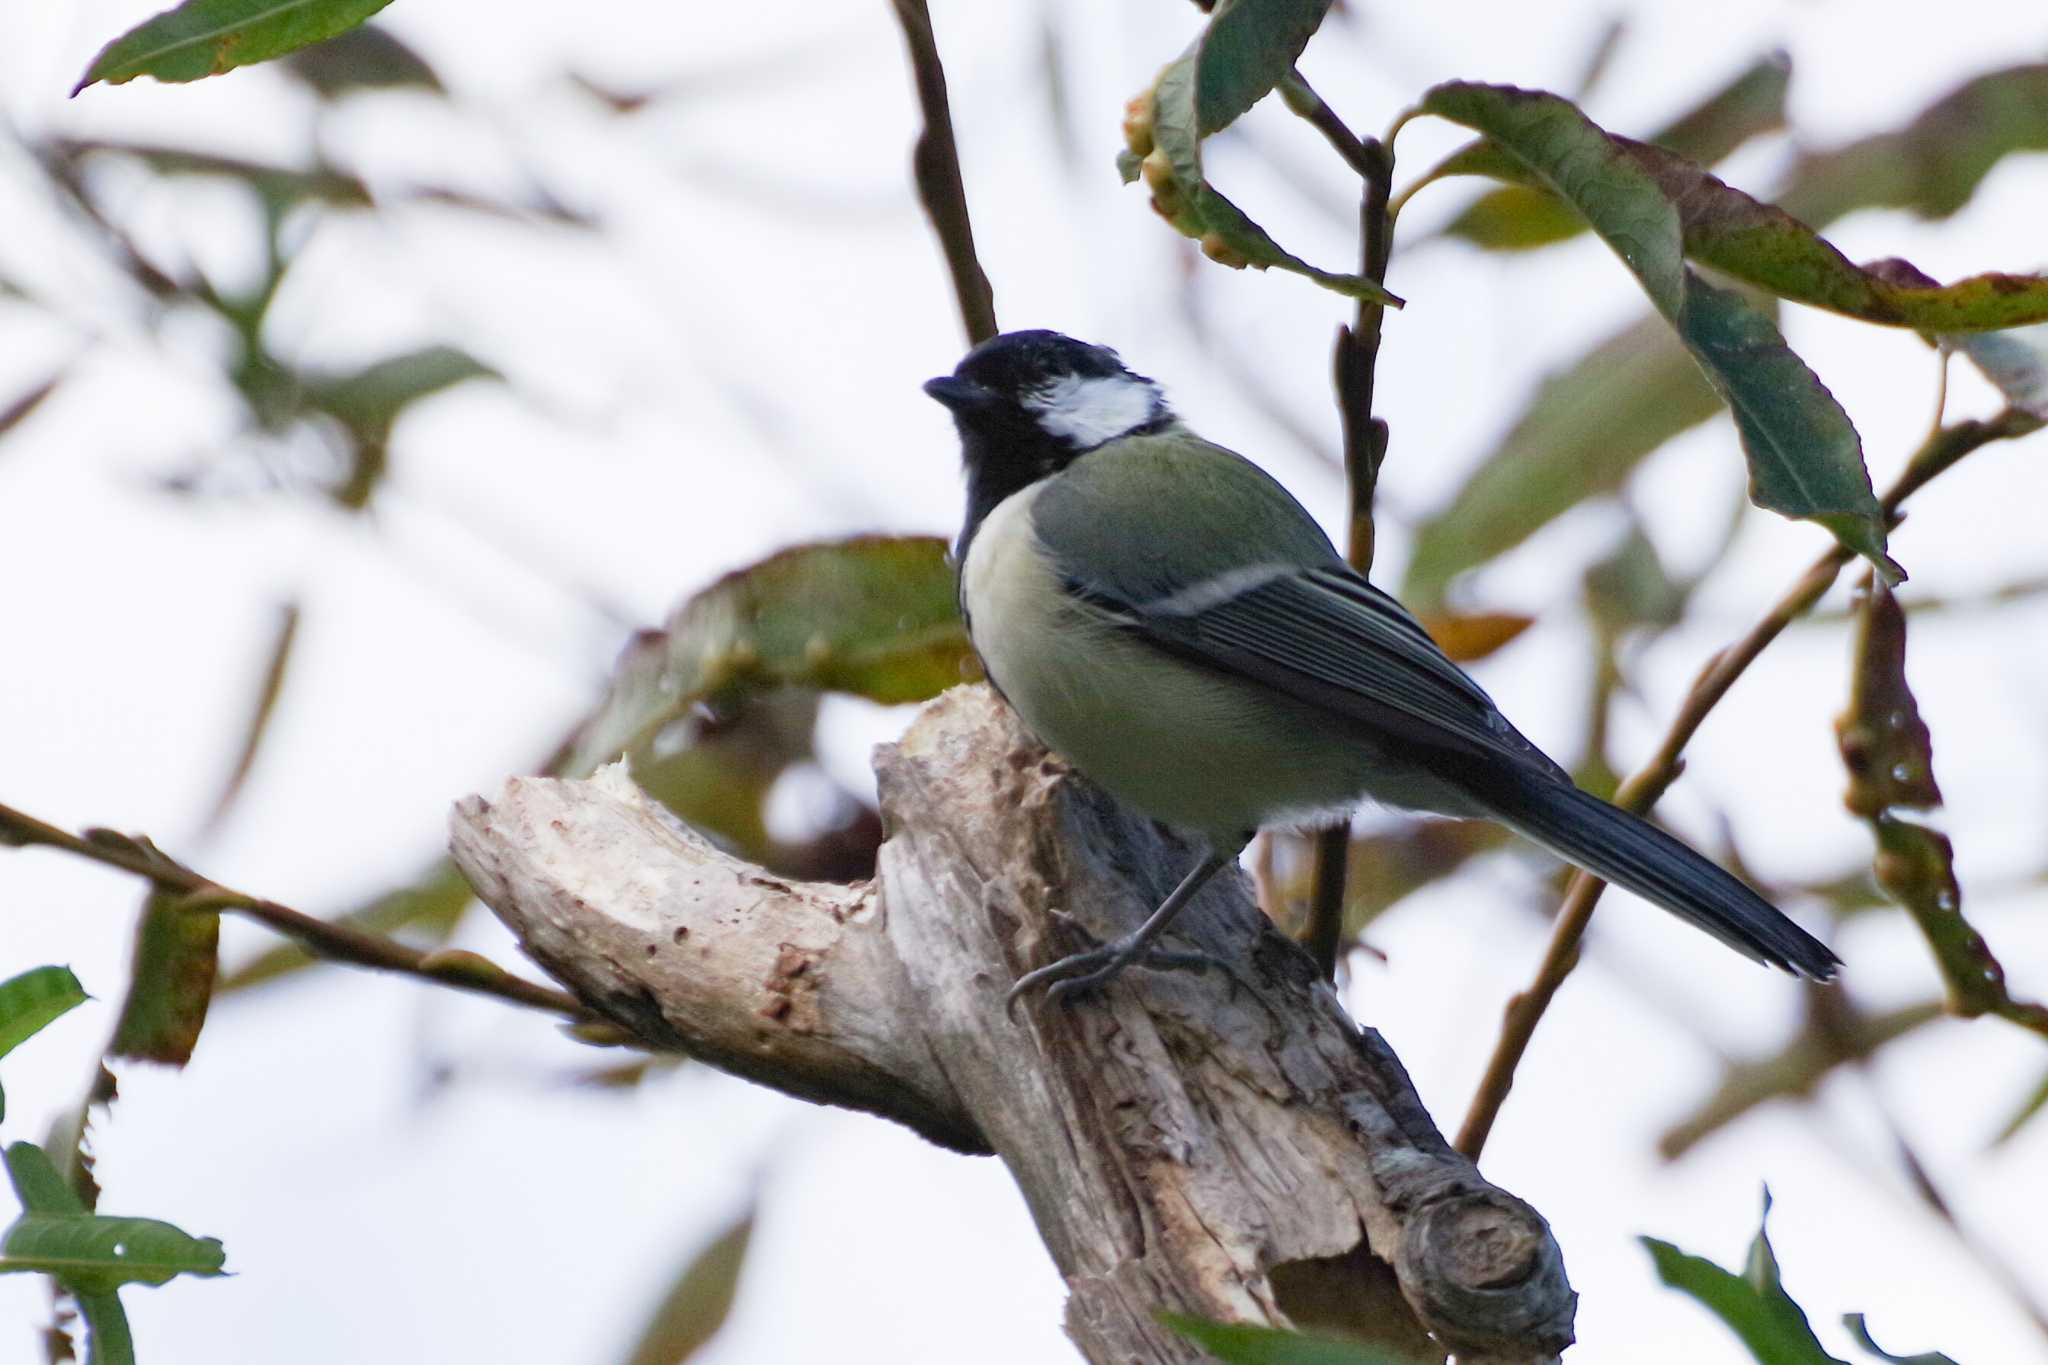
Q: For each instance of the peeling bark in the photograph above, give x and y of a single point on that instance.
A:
(1224, 1143)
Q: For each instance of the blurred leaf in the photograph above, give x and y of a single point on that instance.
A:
(1517, 217)
(1582, 434)
(1792, 1073)
(1384, 868)
(2016, 363)
(32, 999)
(696, 1306)
(18, 411)
(1861, 1331)
(430, 904)
(206, 37)
(278, 186)
(369, 400)
(276, 662)
(1631, 587)
(1754, 1304)
(2031, 1106)
(1471, 636)
(1181, 194)
(1804, 456)
(873, 616)
(177, 955)
(1244, 1343)
(91, 1252)
(1249, 47)
(715, 766)
(1890, 758)
(1600, 58)
(1934, 164)
(365, 58)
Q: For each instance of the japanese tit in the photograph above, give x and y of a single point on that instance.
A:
(1163, 613)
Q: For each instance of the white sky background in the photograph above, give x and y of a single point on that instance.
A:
(732, 365)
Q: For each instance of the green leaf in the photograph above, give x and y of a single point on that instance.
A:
(1520, 216)
(1184, 196)
(87, 1252)
(1804, 455)
(177, 954)
(108, 1338)
(32, 1000)
(697, 1304)
(1754, 1304)
(1249, 47)
(1582, 434)
(365, 58)
(206, 37)
(874, 616)
(1805, 458)
(1243, 1343)
(1861, 1331)
(1593, 422)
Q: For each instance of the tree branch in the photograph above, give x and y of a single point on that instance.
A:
(935, 163)
(1224, 1143)
(1365, 448)
(461, 970)
(1938, 453)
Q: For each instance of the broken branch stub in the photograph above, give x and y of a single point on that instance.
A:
(1224, 1143)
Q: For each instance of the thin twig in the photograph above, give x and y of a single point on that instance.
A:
(1938, 453)
(323, 938)
(1365, 448)
(936, 165)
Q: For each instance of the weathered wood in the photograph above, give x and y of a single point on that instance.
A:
(1225, 1143)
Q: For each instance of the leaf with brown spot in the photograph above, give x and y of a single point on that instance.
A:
(1890, 759)
(203, 38)
(1884, 744)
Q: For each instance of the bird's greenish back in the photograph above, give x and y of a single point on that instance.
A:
(1101, 519)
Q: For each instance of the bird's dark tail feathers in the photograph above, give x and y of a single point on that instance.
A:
(1618, 847)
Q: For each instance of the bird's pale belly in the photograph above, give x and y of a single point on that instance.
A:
(1193, 748)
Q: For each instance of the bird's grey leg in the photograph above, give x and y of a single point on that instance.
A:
(1096, 967)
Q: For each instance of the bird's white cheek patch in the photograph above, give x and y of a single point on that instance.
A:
(1089, 411)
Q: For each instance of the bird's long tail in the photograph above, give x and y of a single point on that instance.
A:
(1618, 847)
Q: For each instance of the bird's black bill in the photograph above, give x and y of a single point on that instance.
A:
(961, 395)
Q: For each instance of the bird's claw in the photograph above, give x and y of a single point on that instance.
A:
(1079, 973)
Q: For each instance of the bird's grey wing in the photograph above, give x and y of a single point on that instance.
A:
(1326, 637)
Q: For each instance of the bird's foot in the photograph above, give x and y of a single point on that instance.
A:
(1079, 973)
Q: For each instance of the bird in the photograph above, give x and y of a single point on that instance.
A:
(1164, 614)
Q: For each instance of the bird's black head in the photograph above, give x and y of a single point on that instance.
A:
(1027, 404)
